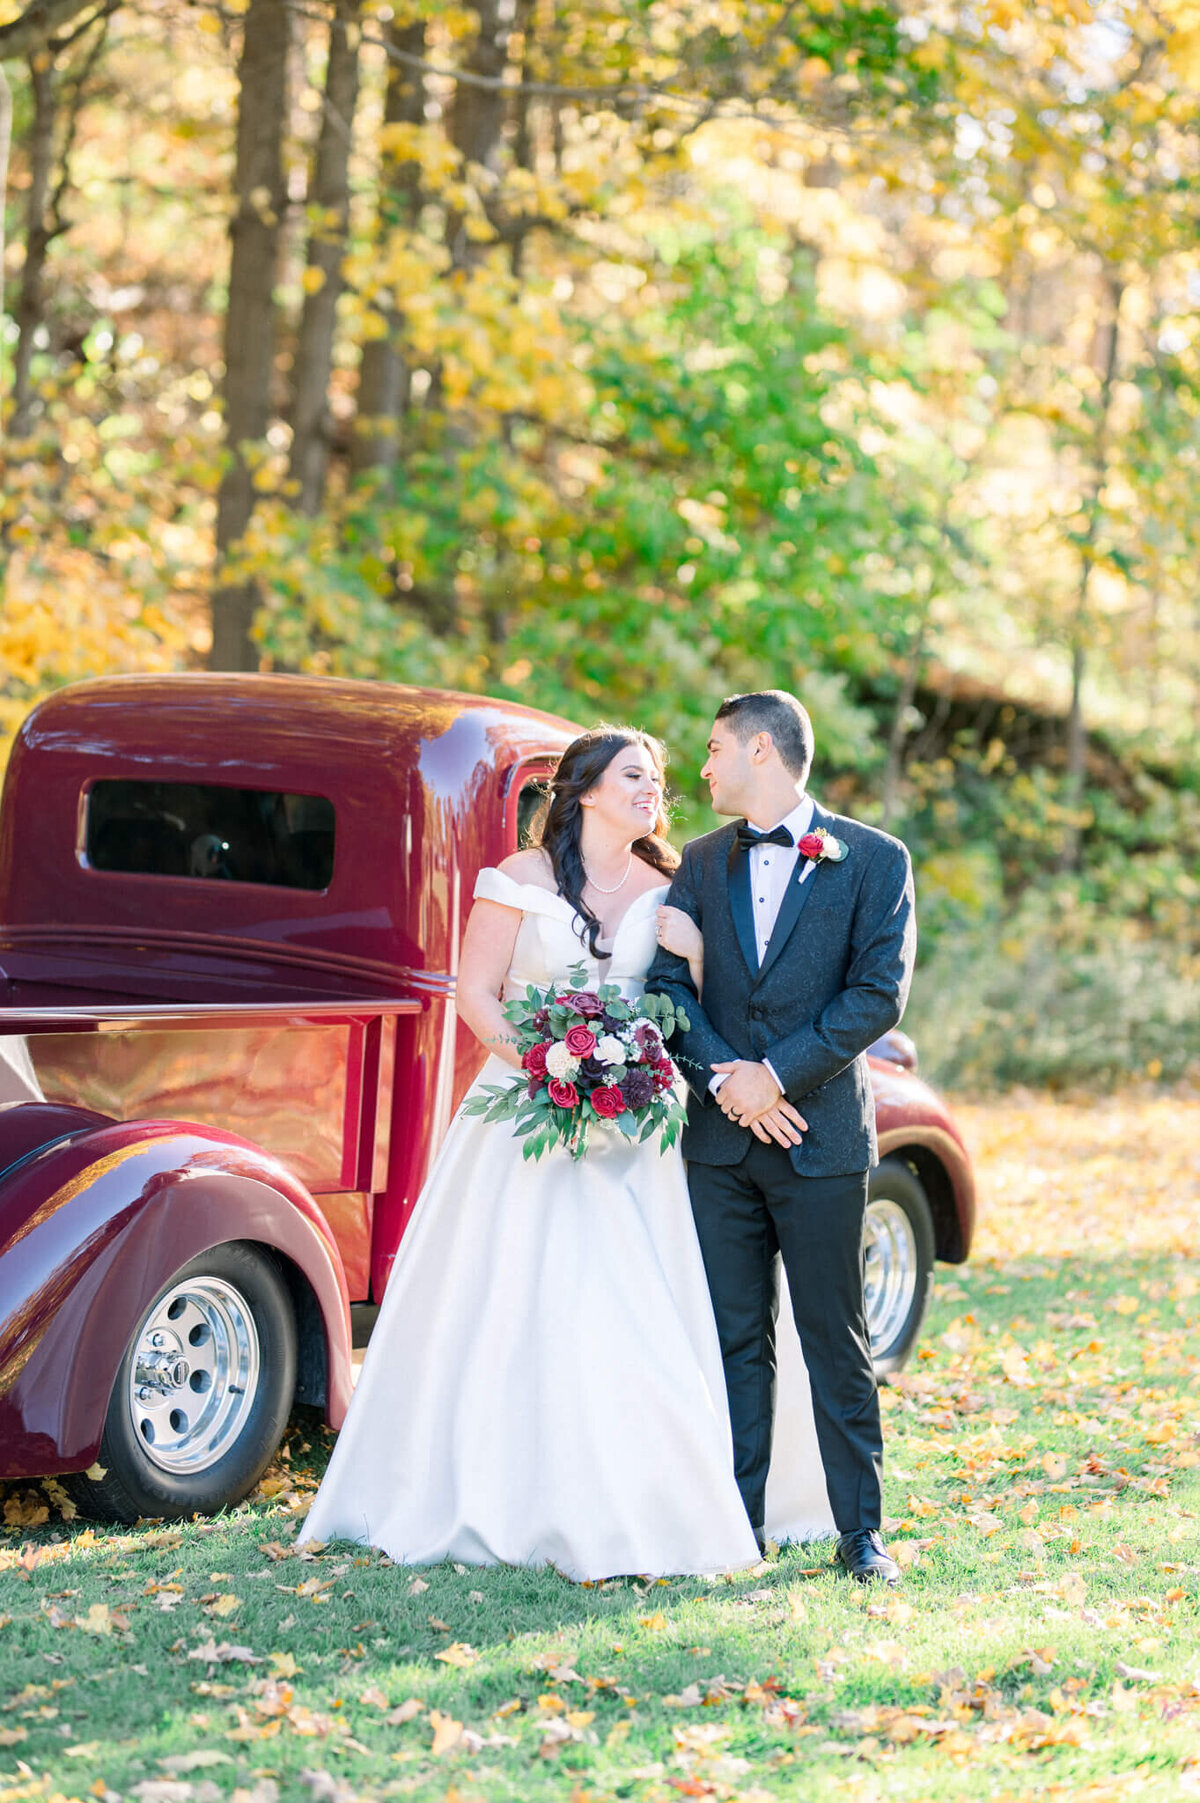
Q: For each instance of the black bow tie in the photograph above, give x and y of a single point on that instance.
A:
(747, 837)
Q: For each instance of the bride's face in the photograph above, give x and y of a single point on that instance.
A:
(628, 796)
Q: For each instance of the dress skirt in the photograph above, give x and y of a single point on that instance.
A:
(543, 1383)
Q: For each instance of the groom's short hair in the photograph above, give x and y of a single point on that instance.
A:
(780, 714)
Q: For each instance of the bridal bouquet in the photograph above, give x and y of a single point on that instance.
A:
(589, 1056)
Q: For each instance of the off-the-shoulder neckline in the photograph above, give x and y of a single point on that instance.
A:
(552, 896)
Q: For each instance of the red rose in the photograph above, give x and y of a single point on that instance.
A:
(812, 845)
(608, 1101)
(580, 1042)
(563, 1095)
(534, 1060)
(586, 1002)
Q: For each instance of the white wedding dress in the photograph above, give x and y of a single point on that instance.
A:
(544, 1383)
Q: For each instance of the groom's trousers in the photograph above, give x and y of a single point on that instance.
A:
(745, 1214)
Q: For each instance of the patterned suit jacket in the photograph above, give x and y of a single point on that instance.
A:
(835, 976)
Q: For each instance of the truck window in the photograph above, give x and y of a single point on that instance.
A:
(205, 830)
(534, 793)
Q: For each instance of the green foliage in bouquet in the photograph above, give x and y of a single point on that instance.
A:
(589, 1056)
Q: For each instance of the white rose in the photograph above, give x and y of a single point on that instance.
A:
(609, 1050)
(560, 1063)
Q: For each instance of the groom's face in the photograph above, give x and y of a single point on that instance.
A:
(728, 770)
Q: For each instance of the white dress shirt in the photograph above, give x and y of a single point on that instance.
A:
(771, 870)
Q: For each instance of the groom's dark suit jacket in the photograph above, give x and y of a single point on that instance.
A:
(834, 977)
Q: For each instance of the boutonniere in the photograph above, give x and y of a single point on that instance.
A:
(821, 846)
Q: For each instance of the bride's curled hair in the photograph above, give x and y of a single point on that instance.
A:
(558, 826)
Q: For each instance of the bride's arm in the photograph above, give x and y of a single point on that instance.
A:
(486, 955)
(678, 933)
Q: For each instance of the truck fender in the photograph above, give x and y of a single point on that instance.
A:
(913, 1123)
(93, 1228)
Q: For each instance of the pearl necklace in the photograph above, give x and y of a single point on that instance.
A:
(593, 884)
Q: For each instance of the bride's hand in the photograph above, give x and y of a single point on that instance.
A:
(678, 933)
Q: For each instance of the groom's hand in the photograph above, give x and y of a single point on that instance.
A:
(782, 1124)
(750, 1097)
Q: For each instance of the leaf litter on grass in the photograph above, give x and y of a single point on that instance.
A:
(1042, 1497)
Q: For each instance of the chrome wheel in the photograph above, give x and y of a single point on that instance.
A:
(193, 1378)
(891, 1268)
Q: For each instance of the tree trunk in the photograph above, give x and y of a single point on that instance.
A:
(1076, 729)
(524, 146)
(250, 315)
(44, 216)
(384, 374)
(477, 115)
(30, 307)
(329, 199)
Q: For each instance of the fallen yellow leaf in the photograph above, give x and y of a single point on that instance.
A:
(446, 1732)
(404, 1712)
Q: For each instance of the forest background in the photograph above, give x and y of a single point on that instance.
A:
(622, 354)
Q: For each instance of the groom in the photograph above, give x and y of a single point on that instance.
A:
(809, 935)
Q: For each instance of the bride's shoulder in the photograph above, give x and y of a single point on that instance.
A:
(531, 866)
(520, 881)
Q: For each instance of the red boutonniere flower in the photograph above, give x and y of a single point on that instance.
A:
(820, 845)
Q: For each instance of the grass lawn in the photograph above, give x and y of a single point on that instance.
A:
(1043, 1491)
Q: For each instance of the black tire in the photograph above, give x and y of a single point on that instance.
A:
(898, 1252)
(211, 1449)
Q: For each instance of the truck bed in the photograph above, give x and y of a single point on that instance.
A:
(260, 1047)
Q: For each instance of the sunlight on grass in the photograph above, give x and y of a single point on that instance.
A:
(1043, 1488)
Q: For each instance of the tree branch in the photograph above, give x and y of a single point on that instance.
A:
(39, 22)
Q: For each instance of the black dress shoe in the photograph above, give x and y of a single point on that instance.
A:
(863, 1555)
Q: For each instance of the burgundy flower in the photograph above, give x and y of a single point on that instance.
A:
(580, 1042)
(563, 1095)
(532, 1087)
(586, 1002)
(608, 1101)
(534, 1060)
(648, 1040)
(541, 1020)
(639, 1088)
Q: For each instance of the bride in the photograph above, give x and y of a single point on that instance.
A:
(544, 1383)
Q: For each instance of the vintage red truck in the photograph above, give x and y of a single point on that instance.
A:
(230, 915)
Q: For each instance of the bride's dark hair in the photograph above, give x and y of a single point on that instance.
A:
(558, 826)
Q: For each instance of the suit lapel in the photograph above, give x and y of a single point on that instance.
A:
(740, 903)
(795, 896)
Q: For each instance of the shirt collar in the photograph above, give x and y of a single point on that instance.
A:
(799, 820)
